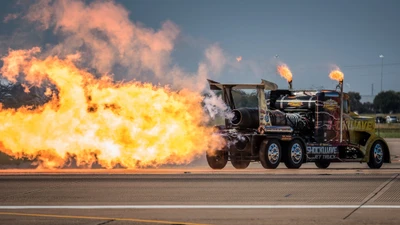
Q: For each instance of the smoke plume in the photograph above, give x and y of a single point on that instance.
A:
(154, 117)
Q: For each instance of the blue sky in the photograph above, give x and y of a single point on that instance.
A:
(309, 36)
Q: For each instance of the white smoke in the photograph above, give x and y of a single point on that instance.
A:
(215, 106)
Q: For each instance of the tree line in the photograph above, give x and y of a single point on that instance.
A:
(384, 102)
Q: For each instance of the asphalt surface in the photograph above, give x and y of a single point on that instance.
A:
(346, 193)
(214, 198)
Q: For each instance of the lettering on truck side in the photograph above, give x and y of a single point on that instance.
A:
(322, 152)
(361, 125)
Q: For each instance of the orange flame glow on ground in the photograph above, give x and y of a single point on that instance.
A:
(95, 120)
(337, 75)
(285, 72)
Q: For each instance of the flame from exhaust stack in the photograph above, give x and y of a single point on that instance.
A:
(337, 75)
(285, 72)
(97, 121)
(239, 58)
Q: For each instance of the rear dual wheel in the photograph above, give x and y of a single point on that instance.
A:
(270, 154)
(294, 155)
(239, 161)
(217, 159)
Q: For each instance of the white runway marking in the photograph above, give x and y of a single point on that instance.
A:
(199, 207)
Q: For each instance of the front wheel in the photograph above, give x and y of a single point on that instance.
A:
(322, 164)
(217, 159)
(376, 154)
(294, 155)
(270, 154)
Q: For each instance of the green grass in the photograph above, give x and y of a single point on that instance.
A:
(388, 133)
(386, 130)
(388, 126)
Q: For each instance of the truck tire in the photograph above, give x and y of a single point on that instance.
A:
(376, 155)
(294, 154)
(239, 163)
(217, 160)
(270, 154)
(322, 164)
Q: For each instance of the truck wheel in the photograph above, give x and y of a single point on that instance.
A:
(270, 154)
(376, 155)
(322, 164)
(294, 155)
(239, 163)
(217, 160)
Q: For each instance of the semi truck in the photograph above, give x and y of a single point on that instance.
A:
(294, 127)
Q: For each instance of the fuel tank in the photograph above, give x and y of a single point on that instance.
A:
(295, 102)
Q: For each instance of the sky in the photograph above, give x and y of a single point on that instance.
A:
(311, 37)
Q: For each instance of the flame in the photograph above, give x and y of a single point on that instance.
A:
(97, 121)
(336, 74)
(285, 72)
(239, 58)
(26, 88)
(48, 92)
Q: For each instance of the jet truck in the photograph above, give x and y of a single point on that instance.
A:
(295, 127)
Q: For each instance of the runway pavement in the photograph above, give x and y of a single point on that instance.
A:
(346, 193)
(213, 198)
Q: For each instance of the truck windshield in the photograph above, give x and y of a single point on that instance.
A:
(245, 98)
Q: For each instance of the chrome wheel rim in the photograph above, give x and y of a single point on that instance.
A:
(378, 153)
(273, 153)
(296, 153)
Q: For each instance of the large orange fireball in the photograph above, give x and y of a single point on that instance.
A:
(95, 120)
